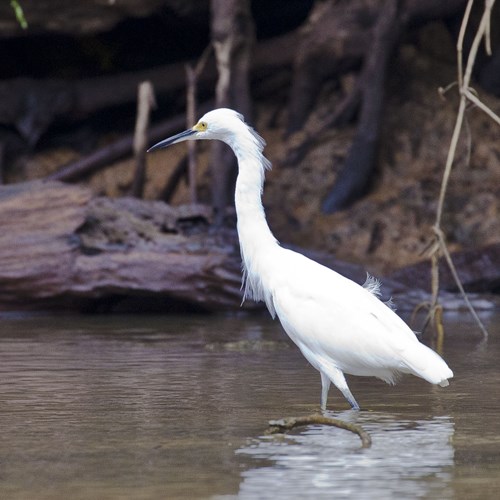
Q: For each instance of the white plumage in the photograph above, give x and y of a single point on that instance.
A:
(339, 326)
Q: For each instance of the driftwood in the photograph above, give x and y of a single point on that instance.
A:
(61, 246)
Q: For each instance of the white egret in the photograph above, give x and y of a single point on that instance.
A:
(340, 326)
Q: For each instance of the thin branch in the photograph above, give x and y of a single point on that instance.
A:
(285, 424)
(466, 95)
(450, 158)
(460, 42)
(487, 31)
(192, 75)
(440, 236)
(145, 101)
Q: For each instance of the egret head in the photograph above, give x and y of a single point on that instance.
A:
(223, 124)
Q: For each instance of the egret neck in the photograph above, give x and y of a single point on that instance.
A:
(256, 239)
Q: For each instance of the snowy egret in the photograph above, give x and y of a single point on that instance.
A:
(340, 326)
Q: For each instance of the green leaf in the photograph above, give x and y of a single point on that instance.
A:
(18, 11)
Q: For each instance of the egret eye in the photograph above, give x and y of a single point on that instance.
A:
(201, 126)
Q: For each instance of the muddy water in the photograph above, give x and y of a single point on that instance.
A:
(140, 407)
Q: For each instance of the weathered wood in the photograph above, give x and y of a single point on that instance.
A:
(61, 245)
(145, 102)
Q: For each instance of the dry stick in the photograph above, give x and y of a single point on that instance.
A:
(453, 270)
(285, 424)
(106, 155)
(460, 42)
(465, 93)
(145, 101)
(433, 305)
(191, 118)
(192, 75)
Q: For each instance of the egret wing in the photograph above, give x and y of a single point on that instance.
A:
(340, 321)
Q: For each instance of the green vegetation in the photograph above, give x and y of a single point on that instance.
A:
(18, 11)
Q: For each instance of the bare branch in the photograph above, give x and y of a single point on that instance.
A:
(285, 424)
(145, 101)
(466, 95)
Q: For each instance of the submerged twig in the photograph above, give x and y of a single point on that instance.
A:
(285, 424)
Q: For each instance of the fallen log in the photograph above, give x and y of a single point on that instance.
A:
(63, 247)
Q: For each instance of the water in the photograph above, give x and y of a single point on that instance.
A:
(139, 407)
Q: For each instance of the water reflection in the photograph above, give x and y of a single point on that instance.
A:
(408, 459)
(139, 407)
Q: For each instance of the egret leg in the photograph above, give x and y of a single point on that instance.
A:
(337, 377)
(325, 385)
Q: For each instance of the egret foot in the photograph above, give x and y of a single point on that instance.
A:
(339, 381)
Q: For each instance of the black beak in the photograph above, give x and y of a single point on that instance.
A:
(172, 140)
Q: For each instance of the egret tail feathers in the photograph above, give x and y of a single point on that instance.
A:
(427, 364)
